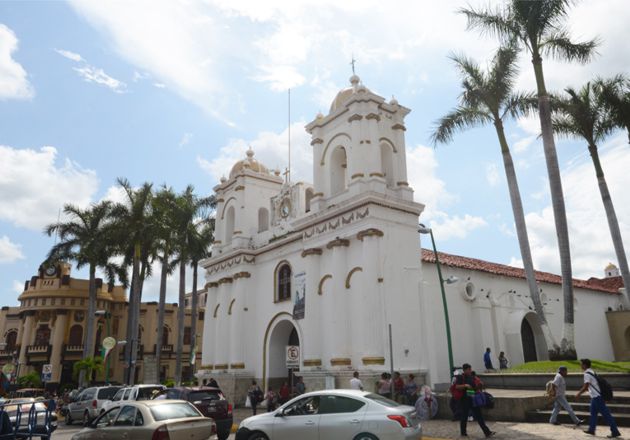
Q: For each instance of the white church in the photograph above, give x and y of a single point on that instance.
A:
(330, 266)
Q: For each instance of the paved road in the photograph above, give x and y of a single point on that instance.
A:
(65, 432)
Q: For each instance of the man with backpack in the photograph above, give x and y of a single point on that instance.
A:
(557, 390)
(600, 391)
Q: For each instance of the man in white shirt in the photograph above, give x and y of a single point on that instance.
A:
(560, 401)
(597, 401)
(355, 382)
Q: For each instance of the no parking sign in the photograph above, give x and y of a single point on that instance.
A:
(293, 356)
(46, 372)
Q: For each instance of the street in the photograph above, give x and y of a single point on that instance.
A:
(65, 432)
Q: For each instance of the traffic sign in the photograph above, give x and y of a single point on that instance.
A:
(47, 372)
(293, 356)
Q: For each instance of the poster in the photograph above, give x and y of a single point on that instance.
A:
(299, 288)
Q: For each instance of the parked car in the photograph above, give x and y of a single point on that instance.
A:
(88, 404)
(24, 407)
(210, 401)
(28, 392)
(150, 420)
(132, 393)
(335, 414)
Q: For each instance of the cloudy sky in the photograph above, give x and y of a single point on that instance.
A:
(173, 91)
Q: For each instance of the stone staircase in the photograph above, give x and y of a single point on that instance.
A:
(619, 407)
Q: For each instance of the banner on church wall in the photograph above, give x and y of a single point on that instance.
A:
(299, 288)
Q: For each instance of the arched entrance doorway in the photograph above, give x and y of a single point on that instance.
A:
(533, 340)
(280, 333)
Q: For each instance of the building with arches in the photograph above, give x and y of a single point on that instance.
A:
(330, 266)
(49, 324)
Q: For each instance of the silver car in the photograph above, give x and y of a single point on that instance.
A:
(150, 420)
(89, 403)
(335, 414)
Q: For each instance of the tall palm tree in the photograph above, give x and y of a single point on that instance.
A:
(581, 115)
(86, 239)
(189, 209)
(538, 26)
(614, 94)
(199, 249)
(164, 220)
(489, 98)
(135, 235)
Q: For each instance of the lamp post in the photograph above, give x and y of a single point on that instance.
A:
(422, 229)
(108, 317)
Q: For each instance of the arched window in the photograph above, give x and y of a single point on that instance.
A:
(76, 335)
(11, 340)
(165, 333)
(308, 197)
(338, 165)
(263, 219)
(42, 336)
(229, 225)
(387, 163)
(283, 282)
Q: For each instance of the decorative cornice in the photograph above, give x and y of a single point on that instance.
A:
(318, 194)
(357, 176)
(207, 367)
(237, 232)
(221, 200)
(239, 188)
(338, 242)
(349, 276)
(321, 283)
(216, 242)
(211, 285)
(316, 141)
(373, 116)
(402, 183)
(355, 117)
(399, 127)
(312, 362)
(373, 360)
(243, 274)
(221, 367)
(377, 174)
(237, 366)
(339, 362)
(225, 280)
(370, 232)
(311, 251)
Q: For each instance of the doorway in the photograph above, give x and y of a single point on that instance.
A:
(529, 342)
(280, 334)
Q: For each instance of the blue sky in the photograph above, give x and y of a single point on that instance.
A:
(173, 91)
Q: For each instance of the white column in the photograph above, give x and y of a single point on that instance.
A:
(222, 336)
(372, 345)
(312, 352)
(340, 346)
(208, 349)
(59, 331)
(26, 338)
(237, 319)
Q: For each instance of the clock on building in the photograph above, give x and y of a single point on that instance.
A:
(50, 271)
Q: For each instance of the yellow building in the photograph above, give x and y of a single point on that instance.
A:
(48, 327)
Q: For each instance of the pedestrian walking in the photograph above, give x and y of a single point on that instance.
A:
(300, 388)
(255, 396)
(487, 360)
(503, 361)
(355, 382)
(598, 405)
(411, 389)
(559, 386)
(384, 386)
(467, 383)
(399, 386)
(285, 393)
(272, 399)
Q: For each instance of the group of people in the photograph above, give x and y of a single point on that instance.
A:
(273, 399)
(487, 360)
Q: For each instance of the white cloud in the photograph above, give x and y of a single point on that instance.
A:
(185, 140)
(9, 251)
(280, 78)
(492, 174)
(457, 226)
(428, 188)
(14, 83)
(70, 55)
(591, 245)
(34, 186)
(18, 287)
(159, 85)
(93, 74)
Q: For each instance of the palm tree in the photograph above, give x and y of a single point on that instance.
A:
(164, 220)
(614, 94)
(538, 26)
(135, 236)
(581, 115)
(189, 209)
(489, 98)
(86, 239)
(87, 366)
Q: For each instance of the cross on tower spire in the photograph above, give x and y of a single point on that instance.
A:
(352, 63)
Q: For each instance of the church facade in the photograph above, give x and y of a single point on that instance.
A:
(331, 267)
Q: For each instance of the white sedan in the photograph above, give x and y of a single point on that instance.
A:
(335, 414)
(150, 420)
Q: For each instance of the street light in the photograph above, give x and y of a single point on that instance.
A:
(422, 229)
(107, 316)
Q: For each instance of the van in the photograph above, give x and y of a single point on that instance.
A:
(88, 404)
(133, 393)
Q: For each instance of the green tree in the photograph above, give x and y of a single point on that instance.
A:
(86, 366)
(539, 27)
(614, 95)
(30, 380)
(86, 239)
(580, 114)
(489, 98)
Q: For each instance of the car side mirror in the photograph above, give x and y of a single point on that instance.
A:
(280, 413)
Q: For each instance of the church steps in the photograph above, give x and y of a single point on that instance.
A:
(542, 416)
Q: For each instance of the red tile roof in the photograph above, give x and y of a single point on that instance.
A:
(607, 285)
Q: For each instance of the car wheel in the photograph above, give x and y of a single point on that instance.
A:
(68, 418)
(86, 418)
(257, 436)
(365, 436)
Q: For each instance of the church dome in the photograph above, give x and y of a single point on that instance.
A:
(248, 163)
(346, 93)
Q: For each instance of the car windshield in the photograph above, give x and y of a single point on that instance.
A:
(145, 393)
(107, 393)
(382, 400)
(195, 396)
(175, 410)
